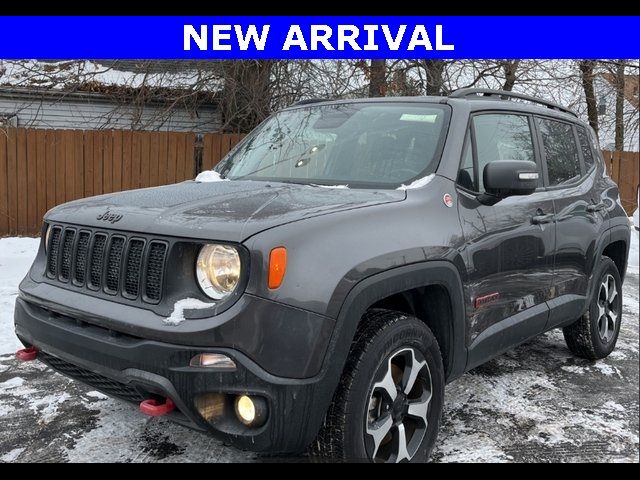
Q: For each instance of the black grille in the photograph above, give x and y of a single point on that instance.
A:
(53, 251)
(97, 260)
(67, 252)
(133, 267)
(81, 257)
(155, 268)
(94, 380)
(114, 263)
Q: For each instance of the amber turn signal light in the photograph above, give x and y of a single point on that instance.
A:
(277, 267)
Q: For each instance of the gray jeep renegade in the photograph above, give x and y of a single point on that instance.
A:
(342, 264)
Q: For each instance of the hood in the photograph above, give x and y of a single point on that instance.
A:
(227, 210)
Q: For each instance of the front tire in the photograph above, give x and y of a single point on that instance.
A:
(388, 405)
(595, 334)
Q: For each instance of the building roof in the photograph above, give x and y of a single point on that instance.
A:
(161, 66)
(155, 79)
(114, 94)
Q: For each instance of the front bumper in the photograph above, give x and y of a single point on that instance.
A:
(133, 368)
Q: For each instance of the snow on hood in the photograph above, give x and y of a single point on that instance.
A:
(421, 182)
(336, 187)
(209, 176)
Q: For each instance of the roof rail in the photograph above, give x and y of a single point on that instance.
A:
(309, 101)
(487, 92)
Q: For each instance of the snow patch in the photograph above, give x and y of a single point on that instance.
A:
(574, 369)
(6, 410)
(12, 455)
(47, 407)
(177, 316)
(421, 182)
(12, 383)
(470, 447)
(610, 405)
(634, 253)
(334, 187)
(16, 256)
(607, 370)
(618, 355)
(96, 395)
(210, 176)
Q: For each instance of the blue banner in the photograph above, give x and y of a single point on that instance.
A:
(297, 37)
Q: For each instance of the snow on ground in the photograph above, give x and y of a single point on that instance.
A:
(535, 403)
(16, 255)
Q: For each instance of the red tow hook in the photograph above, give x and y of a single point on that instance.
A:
(27, 354)
(152, 408)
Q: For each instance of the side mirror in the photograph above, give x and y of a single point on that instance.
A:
(507, 178)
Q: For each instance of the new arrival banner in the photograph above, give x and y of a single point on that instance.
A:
(330, 37)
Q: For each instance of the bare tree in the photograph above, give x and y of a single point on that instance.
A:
(510, 68)
(246, 97)
(435, 76)
(148, 93)
(586, 73)
(378, 78)
(619, 85)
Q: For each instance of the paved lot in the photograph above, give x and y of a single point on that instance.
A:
(536, 403)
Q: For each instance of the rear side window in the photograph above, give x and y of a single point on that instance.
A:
(585, 146)
(561, 151)
(497, 137)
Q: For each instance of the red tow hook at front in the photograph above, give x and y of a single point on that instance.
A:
(27, 354)
(152, 408)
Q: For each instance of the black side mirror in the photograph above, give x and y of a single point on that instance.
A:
(507, 178)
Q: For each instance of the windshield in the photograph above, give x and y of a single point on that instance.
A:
(354, 144)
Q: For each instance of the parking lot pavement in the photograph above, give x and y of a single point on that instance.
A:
(536, 403)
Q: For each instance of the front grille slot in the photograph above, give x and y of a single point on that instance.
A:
(114, 263)
(133, 268)
(82, 249)
(94, 380)
(97, 260)
(155, 269)
(53, 251)
(67, 254)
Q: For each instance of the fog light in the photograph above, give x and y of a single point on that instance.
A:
(214, 361)
(251, 411)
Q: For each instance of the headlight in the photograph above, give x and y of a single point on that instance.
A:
(47, 237)
(218, 270)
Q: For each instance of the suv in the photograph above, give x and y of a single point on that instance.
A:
(346, 260)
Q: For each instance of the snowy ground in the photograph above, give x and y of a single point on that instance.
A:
(535, 403)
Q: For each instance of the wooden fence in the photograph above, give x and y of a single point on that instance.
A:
(43, 168)
(624, 169)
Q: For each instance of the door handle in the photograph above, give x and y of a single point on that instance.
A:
(542, 219)
(598, 207)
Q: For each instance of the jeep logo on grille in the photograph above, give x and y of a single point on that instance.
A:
(109, 217)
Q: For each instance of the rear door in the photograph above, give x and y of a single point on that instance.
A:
(581, 215)
(509, 246)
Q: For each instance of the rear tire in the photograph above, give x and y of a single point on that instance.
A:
(595, 334)
(388, 404)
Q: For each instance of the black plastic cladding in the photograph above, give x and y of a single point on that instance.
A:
(105, 262)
